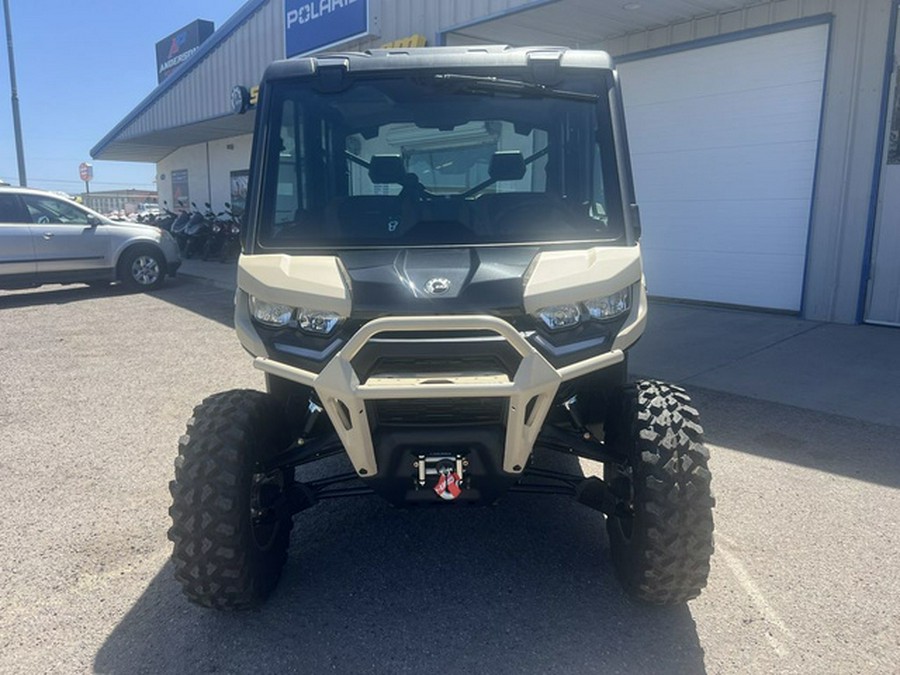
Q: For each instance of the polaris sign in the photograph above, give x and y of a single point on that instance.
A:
(311, 25)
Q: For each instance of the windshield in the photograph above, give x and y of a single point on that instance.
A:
(438, 160)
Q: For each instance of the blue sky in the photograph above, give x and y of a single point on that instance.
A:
(81, 67)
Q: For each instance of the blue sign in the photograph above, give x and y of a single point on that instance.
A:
(310, 25)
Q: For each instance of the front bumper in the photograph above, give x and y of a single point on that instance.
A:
(528, 394)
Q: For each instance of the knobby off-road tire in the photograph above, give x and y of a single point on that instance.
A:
(225, 555)
(660, 553)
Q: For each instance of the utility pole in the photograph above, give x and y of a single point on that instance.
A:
(17, 123)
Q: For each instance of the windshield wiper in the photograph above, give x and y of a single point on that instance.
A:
(475, 83)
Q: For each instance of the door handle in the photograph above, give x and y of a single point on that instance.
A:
(48, 236)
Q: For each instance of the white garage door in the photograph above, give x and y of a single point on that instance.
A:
(723, 142)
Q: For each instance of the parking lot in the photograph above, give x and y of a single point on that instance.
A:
(95, 389)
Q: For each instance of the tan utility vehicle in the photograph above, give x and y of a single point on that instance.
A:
(441, 278)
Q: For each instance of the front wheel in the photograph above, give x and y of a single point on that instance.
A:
(662, 541)
(142, 269)
(230, 527)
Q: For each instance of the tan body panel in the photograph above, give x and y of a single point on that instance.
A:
(561, 277)
(310, 281)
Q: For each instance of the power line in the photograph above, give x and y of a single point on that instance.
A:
(60, 181)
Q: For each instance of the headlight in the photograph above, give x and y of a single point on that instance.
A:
(318, 323)
(560, 316)
(611, 306)
(270, 314)
(277, 315)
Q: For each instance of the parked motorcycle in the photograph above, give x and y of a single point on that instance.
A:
(224, 237)
(231, 248)
(166, 218)
(198, 230)
(179, 225)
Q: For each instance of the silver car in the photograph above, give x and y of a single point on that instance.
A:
(47, 239)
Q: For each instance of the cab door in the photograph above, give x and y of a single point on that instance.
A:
(66, 237)
(17, 258)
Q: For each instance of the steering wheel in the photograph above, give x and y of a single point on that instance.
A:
(43, 220)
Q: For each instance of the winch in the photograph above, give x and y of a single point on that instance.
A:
(449, 471)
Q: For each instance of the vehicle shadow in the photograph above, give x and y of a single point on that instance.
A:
(200, 297)
(195, 295)
(522, 587)
(839, 445)
(56, 295)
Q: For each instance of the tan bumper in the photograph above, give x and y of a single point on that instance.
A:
(344, 397)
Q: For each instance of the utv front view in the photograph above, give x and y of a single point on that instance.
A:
(441, 278)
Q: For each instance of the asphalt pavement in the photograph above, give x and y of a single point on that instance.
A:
(95, 389)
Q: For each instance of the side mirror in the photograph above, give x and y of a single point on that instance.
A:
(93, 221)
(227, 205)
(207, 205)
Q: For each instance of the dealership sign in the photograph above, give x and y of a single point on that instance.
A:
(311, 25)
(181, 45)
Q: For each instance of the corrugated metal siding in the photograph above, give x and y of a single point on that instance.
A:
(577, 22)
(204, 93)
(849, 140)
(430, 17)
(755, 16)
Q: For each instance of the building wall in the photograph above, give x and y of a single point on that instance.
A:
(224, 160)
(208, 181)
(117, 200)
(848, 145)
(430, 18)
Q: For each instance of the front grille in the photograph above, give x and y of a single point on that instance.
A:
(436, 365)
(437, 411)
(428, 357)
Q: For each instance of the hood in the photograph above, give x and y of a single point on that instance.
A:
(437, 281)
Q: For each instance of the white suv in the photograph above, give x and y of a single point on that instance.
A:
(46, 239)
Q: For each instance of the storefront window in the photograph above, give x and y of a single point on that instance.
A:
(239, 181)
(181, 195)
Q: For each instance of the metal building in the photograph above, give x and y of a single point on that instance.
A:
(765, 135)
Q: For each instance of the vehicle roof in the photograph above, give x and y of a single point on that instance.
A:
(489, 57)
(19, 188)
(46, 193)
